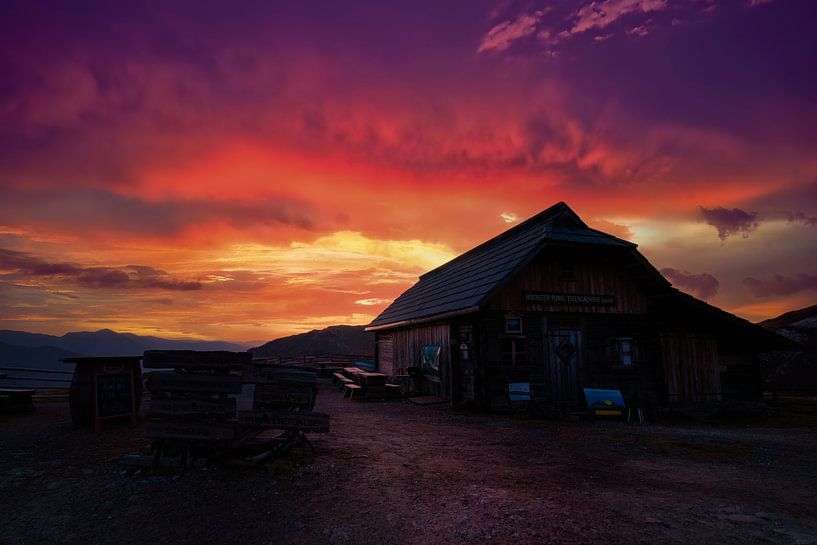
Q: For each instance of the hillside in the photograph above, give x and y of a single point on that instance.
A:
(37, 351)
(110, 343)
(794, 371)
(29, 357)
(797, 325)
(339, 339)
(41, 357)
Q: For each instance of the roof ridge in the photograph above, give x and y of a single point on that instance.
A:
(466, 280)
(560, 207)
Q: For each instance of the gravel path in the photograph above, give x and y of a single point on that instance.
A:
(398, 473)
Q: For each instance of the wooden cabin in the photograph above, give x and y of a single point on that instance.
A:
(563, 307)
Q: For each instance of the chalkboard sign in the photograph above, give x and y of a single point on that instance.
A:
(114, 395)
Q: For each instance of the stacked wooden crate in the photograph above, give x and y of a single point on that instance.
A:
(194, 411)
(284, 398)
(193, 402)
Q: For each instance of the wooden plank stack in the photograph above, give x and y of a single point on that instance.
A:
(193, 411)
(284, 399)
(191, 402)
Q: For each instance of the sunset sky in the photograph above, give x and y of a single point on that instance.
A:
(247, 170)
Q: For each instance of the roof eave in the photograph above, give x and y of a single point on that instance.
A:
(424, 319)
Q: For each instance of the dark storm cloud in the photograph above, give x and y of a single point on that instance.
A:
(703, 285)
(87, 210)
(780, 285)
(730, 222)
(130, 277)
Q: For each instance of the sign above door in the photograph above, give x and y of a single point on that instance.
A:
(551, 298)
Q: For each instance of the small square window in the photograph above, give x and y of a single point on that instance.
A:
(568, 272)
(514, 352)
(513, 325)
(622, 351)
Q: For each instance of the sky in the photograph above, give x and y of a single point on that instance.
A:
(248, 170)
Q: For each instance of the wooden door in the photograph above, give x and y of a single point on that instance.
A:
(562, 349)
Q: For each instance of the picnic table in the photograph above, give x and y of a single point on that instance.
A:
(370, 384)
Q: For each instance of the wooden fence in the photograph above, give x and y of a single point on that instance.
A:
(316, 361)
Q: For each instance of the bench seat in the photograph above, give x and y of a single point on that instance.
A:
(352, 388)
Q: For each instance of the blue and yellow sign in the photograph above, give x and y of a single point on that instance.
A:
(604, 402)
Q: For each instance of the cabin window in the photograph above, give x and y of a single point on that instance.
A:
(567, 272)
(513, 323)
(621, 350)
(514, 352)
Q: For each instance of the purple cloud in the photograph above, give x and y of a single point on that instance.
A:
(91, 209)
(501, 36)
(800, 217)
(730, 222)
(703, 285)
(598, 15)
(780, 285)
(130, 277)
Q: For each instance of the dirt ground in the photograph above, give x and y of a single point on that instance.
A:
(392, 472)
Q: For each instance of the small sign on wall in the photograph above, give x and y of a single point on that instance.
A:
(114, 394)
(431, 360)
(579, 299)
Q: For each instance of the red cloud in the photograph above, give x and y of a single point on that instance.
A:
(780, 285)
(703, 285)
(130, 277)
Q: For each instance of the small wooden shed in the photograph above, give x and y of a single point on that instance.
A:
(562, 306)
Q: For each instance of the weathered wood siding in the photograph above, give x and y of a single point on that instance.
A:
(691, 368)
(594, 365)
(385, 354)
(591, 275)
(740, 376)
(408, 352)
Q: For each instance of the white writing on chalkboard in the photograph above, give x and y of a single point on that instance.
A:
(114, 395)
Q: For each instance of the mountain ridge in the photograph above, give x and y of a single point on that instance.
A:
(337, 339)
(798, 325)
(106, 342)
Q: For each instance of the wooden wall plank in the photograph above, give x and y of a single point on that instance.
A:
(188, 382)
(190, 431)
(192, 407)
(271, 396)
(385, 354)
(592, 275)
(192, 359)
(275, 374)
(408, 348)
(302, 421)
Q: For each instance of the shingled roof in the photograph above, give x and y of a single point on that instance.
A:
(465, 282)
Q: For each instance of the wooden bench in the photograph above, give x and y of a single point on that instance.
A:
(16, 400)
(337, 379)
(352, 388)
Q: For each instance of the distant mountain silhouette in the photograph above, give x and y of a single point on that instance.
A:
(38, 351)
(40, 357)
(109, 343)
(794, 371)
(339, 339)
(797, 325)
(34, 357)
